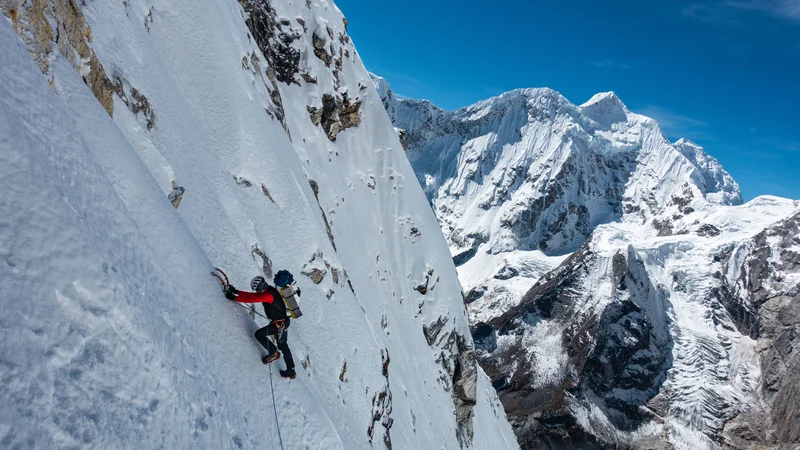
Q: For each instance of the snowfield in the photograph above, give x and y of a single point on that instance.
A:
(113, 333)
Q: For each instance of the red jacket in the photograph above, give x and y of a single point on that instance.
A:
(255, 297)
(274, 307)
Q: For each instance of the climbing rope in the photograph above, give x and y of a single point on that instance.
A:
(250, 310)
(275, 408)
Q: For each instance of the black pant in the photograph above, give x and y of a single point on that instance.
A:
(272, 330)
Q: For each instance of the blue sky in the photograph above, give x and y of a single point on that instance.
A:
(725, 74)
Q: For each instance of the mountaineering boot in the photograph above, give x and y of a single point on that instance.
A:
(269, 358)
(288, 373)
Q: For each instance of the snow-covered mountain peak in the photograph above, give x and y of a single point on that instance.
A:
(684, 142)
(541, 99)
(529, 170)
(606, 109)
(515, 108)
(601, 97)
(717, 184)
(381, 85)
(610, 272)
(529, 94)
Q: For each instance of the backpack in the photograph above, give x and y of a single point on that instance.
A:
(285, 282)
(283, 278)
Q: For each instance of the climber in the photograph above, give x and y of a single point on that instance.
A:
(275, 309)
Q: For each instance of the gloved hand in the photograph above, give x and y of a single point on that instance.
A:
(231, 293)
(297, 291)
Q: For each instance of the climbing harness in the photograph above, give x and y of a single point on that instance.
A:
(280, 335)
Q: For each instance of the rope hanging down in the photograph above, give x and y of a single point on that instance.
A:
(274, 408)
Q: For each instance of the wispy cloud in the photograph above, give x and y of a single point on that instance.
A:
(725, 11)
(764, 148)
(706, 12)
(784, 9)
(789, 146)
(676, 125)
(747, 150)
(608, 63)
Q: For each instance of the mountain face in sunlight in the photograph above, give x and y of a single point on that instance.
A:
(620, 292)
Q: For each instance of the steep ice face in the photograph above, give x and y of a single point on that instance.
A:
(761, 292)
(153, 142)
(713, 180)
(382, 87)
(606, 109)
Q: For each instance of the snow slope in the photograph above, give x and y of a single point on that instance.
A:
(617, 285)
(114, 334)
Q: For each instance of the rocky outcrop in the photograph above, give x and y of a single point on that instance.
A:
(429, 283)
(402, 135)
(137, 102)
(315, 189)
(274, 38)
(465, 389)
(266, 262)
(42, 23)
(176, 195)
(337, 114)
(320, 50)
(317, 268)
(31, 24)
(761, 292)
(604, 350)
(382, 406)
(459, 374)
(72, 36)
